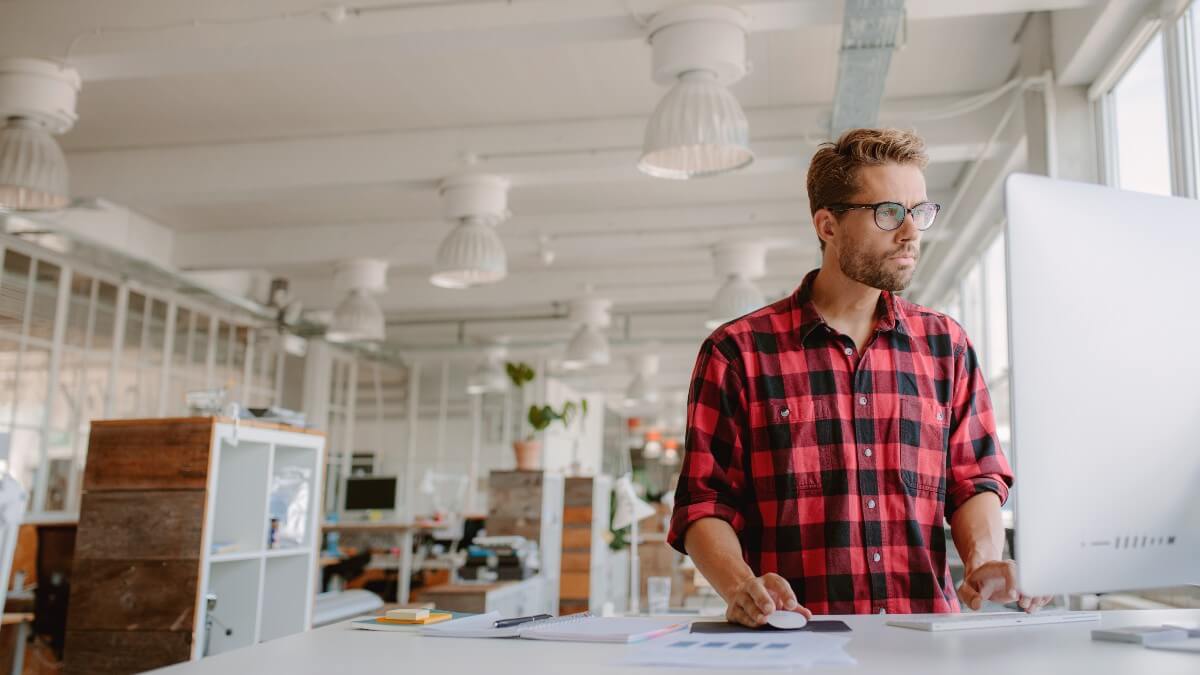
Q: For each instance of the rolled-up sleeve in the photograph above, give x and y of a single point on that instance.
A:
(976, 462)
(712, 483)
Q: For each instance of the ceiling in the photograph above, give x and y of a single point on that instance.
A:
(286, 145)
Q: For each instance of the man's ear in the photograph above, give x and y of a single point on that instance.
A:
(825, 224)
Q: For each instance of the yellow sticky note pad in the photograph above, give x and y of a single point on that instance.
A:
(433, 617)
(408, 614)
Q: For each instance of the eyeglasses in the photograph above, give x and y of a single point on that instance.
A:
(890, 215)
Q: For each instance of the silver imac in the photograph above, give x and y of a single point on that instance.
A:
(1104, 351)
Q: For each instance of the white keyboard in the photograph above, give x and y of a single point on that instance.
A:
(993, 620)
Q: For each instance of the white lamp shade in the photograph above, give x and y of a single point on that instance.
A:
(698, 129)
(588, 347)
(630, 507)
(737, 296)
(641, 391)
(357, 319)
(33, 171)
(488, 378)
(471, 255)
(652, 450)
(670, 457)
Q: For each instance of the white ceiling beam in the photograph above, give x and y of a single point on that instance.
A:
(1086, 39)
(529, 154)
(295, 248)
(692, 281)
(48, 28)
(629, 235)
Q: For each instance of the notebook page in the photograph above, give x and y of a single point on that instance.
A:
(601, 629)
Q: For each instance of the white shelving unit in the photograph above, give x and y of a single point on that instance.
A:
(262, 592)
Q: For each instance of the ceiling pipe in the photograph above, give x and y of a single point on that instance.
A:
(869, 30)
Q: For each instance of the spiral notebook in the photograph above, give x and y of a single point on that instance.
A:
(572, 628)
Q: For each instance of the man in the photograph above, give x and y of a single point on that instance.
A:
(830, 433)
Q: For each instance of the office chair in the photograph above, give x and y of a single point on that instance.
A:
(348, 569)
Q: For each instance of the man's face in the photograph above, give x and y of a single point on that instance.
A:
(867, 254)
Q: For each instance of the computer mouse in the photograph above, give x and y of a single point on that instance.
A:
(786, 620)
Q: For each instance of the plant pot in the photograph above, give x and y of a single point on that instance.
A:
(529, 455)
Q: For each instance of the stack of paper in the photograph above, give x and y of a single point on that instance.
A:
(769, 650)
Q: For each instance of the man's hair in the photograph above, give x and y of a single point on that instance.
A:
(833, 172)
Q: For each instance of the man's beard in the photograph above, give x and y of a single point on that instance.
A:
(871, 271)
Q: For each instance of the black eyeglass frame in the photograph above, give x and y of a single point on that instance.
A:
(841, 208)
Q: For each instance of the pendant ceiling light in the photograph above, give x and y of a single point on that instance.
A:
(642, 389)
(37, 101)
(670, 455)
(472, 254)
(358, 318)
(698, 128)
(653, 447)
(738, 263)
(589, 345)
(490, 377)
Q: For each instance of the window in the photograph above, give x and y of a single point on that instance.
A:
(995, 303)
(78, 345)
(973, 314)
(1138, 109)
(980, 303)
(1188, 79)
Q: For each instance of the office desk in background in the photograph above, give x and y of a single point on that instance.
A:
(401, 534)
(1061, 648)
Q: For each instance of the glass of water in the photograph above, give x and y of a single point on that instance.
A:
(658, 594)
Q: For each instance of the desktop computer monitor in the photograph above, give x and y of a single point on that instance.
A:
(376, 493)
(1104, 315)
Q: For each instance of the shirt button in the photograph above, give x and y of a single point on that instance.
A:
(940, 415)
(867, 452)
(862, 400)
(871, 504)
(849, 351)
(875, 557)
(785, 412)
(882, 610)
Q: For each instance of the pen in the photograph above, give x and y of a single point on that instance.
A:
(506, 623)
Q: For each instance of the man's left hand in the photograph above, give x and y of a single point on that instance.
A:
(997, 581)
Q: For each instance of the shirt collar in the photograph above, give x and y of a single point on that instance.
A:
(808, 319)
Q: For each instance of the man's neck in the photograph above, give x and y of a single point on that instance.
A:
(842, 300)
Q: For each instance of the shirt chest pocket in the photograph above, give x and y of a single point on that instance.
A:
(793, 448)
(924, 443)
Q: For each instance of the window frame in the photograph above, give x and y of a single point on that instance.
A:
(1181, 61)
(127, 353)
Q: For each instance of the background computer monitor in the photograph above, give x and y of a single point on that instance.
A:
(371, 493)
(1104, 316)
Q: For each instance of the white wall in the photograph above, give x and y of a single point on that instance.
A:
(583, 442)
(390, 440)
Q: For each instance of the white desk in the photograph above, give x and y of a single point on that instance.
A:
(1030, 650)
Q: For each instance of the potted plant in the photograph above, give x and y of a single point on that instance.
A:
(528, 450)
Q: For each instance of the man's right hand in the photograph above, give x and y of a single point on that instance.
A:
(757, 597)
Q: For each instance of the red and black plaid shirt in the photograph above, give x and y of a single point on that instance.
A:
(836, 468)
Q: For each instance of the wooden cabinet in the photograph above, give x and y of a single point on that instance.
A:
(178, 510)
(584, 583)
